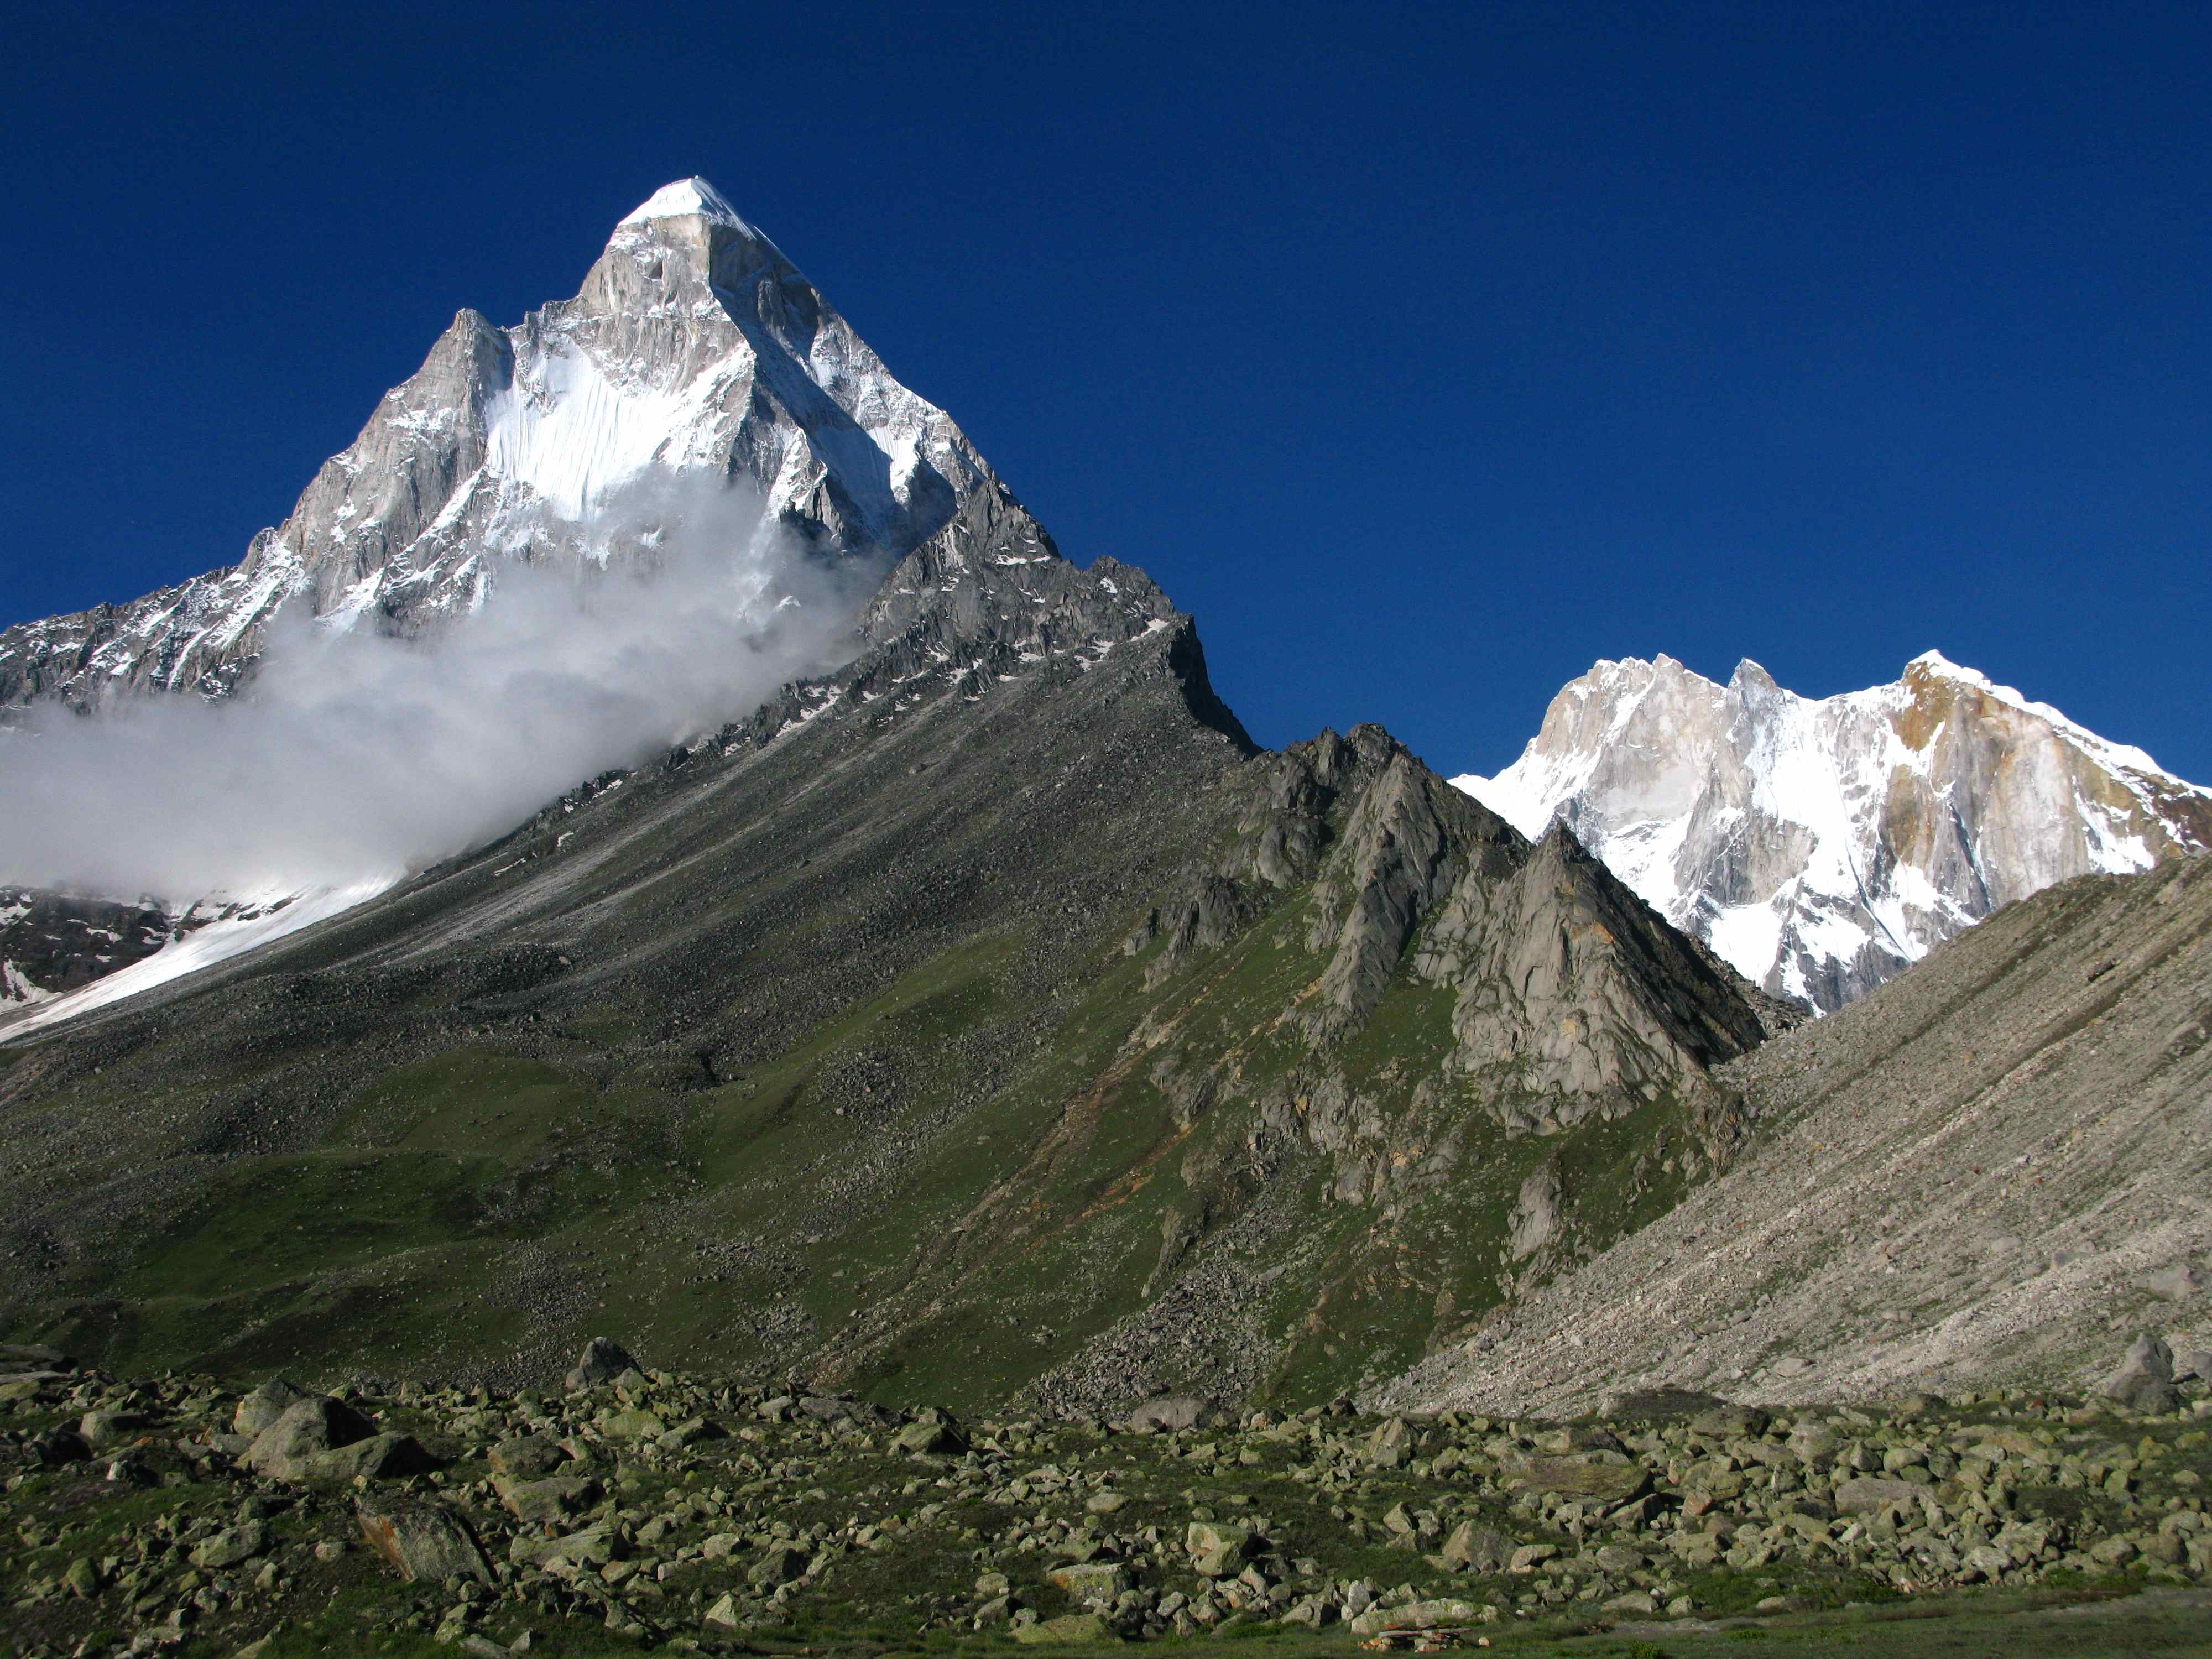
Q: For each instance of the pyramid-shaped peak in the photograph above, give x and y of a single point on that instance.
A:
(690, 198)
(1935, 665)
(1749, 678)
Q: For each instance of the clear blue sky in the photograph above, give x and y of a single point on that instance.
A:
(1425, 355)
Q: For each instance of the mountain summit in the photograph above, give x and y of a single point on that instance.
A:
(693, 346)
(1820, 846)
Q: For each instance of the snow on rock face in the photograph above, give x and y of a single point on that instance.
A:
(688, 197)
(693, 344)
(1821, 846)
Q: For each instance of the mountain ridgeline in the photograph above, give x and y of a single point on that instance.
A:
(1821, 846)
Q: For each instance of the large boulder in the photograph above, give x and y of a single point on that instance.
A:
(933, 1433)
(232, 1545)
(1218, 1550)
(603, 1360)
(2177, 1282)
(1168, 1412)
(2144, 1381)
(420, 1539)
(285, 1451)
(1611, 1477)
(1870, 1494)
(266, 1404)
(779, 1564)
(58, 1446)
(528, 1457)
(379, 1457)
(1729, 1421)
(1475, 1547)
(547, 1499)
(595, 1546)
(1391, 1445)
(104, 1430)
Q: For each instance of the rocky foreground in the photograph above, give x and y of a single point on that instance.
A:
(703, 1514)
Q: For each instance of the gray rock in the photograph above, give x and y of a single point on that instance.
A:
(927, 1438)
(1609, 1477)
(1169, 1412)
(1475, 1547)
(282, 1451)
(603, 1360)
(779, 1564)
(1391, 1444)
(1729, 1421)
(2177, 1282)
(547, 1499)
(379, 1457)
(232, 1546)
(2144, 1381)
(527, 1457)
(1216, 1550)
(266, 1404)
(103, 1430)
(58, 1446)
(1871, 1494)
(595, 1545)
(1536, 1209)
(421, 1540)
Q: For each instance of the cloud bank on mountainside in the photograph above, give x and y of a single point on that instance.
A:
(356, 756)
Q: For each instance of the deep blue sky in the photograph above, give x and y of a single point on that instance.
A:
(1425, 355)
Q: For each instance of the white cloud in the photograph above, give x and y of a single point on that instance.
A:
(358, 756)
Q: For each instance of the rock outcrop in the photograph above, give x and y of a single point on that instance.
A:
(1989, 1172)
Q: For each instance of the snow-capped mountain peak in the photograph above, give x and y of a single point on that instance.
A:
(688, 199)
(693, 346)
(1821, 845)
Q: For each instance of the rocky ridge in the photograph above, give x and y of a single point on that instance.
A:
(1986, 1172)
(1822, 846)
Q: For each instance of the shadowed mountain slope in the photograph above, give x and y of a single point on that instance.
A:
(990, 1016)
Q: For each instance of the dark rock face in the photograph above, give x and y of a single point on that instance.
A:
(51, 942)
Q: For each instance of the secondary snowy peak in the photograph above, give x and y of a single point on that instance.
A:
(694, 346)
(1820, 846)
